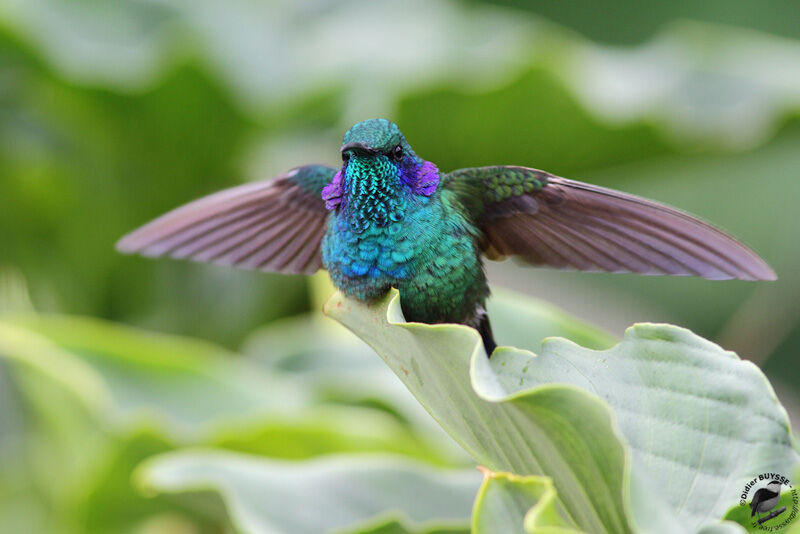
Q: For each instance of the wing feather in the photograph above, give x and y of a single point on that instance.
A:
(553, 221)
(274, 225)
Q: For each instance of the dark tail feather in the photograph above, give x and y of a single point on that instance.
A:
(485, 330)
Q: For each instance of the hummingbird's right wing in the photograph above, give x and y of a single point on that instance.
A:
(553, 221)
(273, 225)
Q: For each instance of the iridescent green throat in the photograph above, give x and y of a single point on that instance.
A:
(373, 192)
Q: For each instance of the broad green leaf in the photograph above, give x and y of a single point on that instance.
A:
(315, 496)
(690, 422)
(326, 429)
(525, 322)
(516, 504)
(560, 427)
(698, 421)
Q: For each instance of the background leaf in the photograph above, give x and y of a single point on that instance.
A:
(87, 401)
(324, 495)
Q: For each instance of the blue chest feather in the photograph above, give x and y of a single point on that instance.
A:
(383, 252)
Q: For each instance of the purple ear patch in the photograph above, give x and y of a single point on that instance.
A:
(332, 193)
(427, 179)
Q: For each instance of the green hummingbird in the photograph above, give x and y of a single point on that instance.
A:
(387, 218)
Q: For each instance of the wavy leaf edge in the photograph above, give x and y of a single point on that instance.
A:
(394, 316)
(533, 519)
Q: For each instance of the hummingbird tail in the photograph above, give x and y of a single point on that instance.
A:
(485, 330)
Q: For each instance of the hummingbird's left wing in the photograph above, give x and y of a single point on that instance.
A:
(272, 225)
(553, 221)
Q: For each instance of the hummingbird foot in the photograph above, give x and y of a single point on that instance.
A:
(485, 330)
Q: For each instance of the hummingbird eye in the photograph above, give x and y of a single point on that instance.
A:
(345, 156)
(397, 153)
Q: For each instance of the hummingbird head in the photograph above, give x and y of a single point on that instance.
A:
(375, 138)
(380, 174)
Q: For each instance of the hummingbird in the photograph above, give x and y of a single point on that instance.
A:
(388, 218)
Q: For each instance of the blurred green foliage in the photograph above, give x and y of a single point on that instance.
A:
(628, 21)
(113, 112)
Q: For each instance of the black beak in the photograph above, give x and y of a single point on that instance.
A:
(359, 149)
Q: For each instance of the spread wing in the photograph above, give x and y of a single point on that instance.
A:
(272, 225)
(553, 221)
